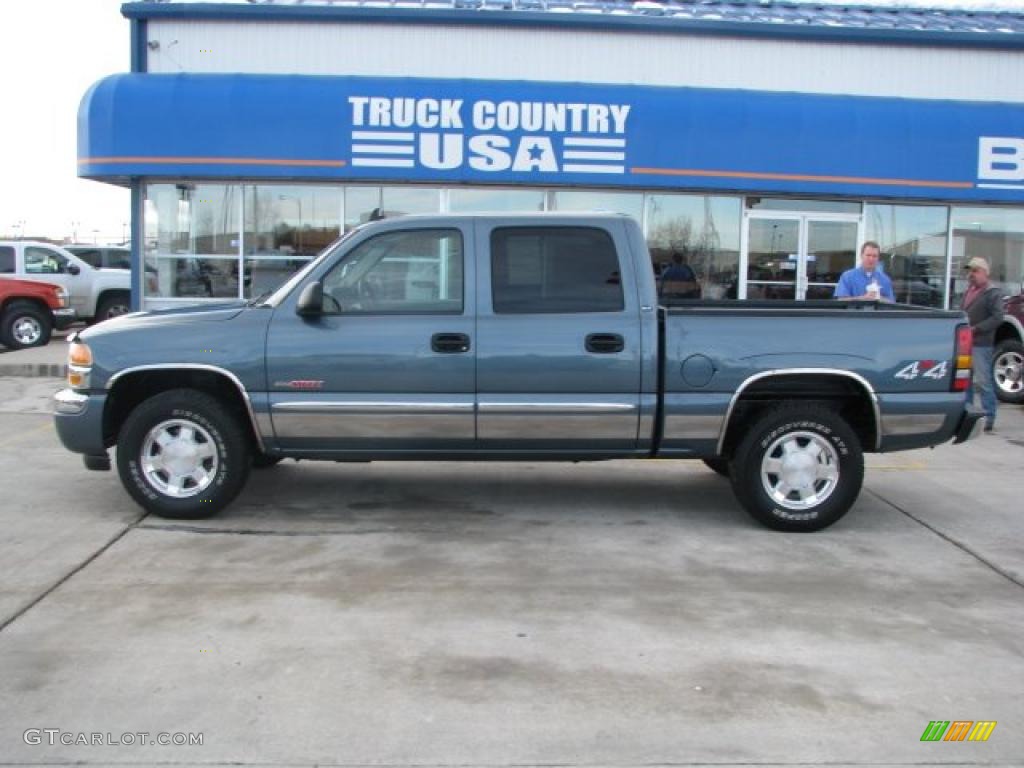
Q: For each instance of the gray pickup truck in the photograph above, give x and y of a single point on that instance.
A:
(505, 337)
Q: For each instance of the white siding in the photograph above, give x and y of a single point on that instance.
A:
(569, 55)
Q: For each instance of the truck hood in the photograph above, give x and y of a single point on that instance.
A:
(179, 316)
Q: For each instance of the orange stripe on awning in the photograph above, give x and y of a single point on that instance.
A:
(213, 161)
(803, 177)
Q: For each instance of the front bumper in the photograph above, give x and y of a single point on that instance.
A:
(969, 426)
(62, 318)
(78, 418)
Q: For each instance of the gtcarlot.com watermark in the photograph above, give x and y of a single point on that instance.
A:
(55, 736)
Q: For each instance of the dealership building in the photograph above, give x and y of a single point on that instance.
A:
(759, 142)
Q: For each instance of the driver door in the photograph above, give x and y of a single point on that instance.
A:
(390, 365)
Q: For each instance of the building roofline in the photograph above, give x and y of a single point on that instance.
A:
(985, 35)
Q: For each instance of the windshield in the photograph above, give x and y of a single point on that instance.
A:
(278, 294)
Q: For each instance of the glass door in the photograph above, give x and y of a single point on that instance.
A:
(797, 255)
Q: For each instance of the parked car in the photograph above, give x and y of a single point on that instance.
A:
(95, 294)
(1008, 356)
(29, 311)
(515, 337)
(103, 256)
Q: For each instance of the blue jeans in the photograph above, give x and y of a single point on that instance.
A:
(982, 381)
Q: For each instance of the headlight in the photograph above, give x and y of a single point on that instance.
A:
(79, 365)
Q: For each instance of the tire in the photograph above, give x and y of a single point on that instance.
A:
(212, 455)
(24, 325)
(263, 461)
(721, 466)
(1008, 371)
(824, 474)
(112, 305)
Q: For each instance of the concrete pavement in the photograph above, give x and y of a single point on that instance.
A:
(626, 613)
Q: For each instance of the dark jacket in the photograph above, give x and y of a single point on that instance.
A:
(985, 314)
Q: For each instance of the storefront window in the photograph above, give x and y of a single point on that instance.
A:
(629, 203)
(913, 243)
(363, 204)
(701, 233)
(995, 234)
(285, 227)
(468, 200)
(192, 241)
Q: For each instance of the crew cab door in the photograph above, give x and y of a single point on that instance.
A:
(558, 350)
(390, 364)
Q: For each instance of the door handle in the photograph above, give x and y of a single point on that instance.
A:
(605, 343)
(449, 343)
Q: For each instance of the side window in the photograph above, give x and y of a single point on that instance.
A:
(91, 256)
(6, 260)
(43, 261)
(554, 269)
(409, 272)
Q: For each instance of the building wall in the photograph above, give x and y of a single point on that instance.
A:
(567, 55)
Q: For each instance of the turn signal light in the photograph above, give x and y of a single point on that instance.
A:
(964, 346)
(79, 354)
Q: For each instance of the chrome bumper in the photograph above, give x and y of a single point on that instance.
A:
(69, 401)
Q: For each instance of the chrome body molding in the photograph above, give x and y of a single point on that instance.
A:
(912, 423)
(356, 406)
(582, 408)
(200, 367)
(69, 401)
(548, 418)
(692, 426)
(798, 372)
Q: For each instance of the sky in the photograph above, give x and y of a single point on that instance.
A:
(51, 51)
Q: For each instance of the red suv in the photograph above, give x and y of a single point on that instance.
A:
(1008, 358)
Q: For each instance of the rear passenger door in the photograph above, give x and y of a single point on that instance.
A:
(558, 329)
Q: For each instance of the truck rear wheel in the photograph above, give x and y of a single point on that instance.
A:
(112, 305)
(25, 324)
(1008, 371)
(182, 454)
(798, 468)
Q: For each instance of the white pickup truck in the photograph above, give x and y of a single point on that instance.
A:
(96, 294)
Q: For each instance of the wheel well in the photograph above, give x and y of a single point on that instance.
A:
(132, 389)
(110, 293)
(40, 305)
(1007, 332)
(842, 394)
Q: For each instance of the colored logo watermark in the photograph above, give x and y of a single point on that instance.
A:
(958, 730)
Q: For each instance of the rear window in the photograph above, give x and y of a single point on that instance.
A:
(6, 260)
(554, 269)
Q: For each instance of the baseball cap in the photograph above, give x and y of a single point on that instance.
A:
(977, 262)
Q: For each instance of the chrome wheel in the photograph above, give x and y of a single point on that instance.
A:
(27, 331)
(179, 458)
(1007, 372)
(800, 470)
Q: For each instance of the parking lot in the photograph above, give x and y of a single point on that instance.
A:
(625, 614)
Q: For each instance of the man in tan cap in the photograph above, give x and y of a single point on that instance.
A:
(983, 304)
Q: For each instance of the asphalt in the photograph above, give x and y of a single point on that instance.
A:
(444, 614)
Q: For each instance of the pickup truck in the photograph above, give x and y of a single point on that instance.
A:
(512, 337)
(29, 312)
(96, 294)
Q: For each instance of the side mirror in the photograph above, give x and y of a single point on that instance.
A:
(311, 300)
(74, 269)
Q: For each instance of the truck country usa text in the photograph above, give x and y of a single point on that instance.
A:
(445, 134)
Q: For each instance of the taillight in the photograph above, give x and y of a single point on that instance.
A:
(962, 353)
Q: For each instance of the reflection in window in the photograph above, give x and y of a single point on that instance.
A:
(363, 204)
(994, 234)
(700, 231)
(408, 272)
(44, 261)
(629, 203)
(913, 244)
(554, 269)
(192, 241)
(285, 227)
(468, 200)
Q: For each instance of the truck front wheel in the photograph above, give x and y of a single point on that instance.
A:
(798, 468)
(182, 454)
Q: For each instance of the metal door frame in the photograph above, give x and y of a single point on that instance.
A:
(803, 217)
